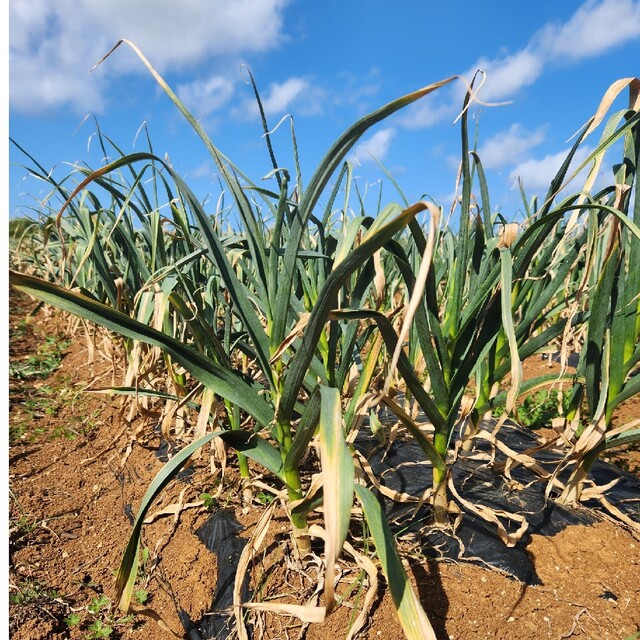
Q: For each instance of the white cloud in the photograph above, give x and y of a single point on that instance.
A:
(375, 147)
(173, 34)
(593, 29)
(596, 27)
(53, 43)
(510, 146)
(283, 97)
(28, 19)
(429, 111)
(536, 175)
(203, 97)
(49, 57)
(506, 76)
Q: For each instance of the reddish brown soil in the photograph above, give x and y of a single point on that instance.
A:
(76, 470)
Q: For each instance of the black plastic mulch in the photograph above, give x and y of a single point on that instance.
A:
(403, 468)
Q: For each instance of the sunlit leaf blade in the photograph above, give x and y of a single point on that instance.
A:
(341, 147)
(338, 478)
(508, 328)
(598, 325)
(364, 381)
(411, 615)
(250, 444)
(127, 572)
(141, 393)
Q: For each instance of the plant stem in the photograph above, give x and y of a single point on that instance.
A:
(440, 500)
(294, 491)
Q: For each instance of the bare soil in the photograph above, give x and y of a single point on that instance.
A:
(78, 472)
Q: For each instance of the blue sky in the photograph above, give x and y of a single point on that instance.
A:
(326, 64)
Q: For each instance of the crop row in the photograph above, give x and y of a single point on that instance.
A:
(286, 317)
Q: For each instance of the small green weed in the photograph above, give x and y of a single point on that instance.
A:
(98, 629)
(23, 526)
(47, 402)
(265, 497)
(72, 620)
(210, 502)
(98, 604)
(43, 363)
(17, 432)
(32, 591)
(42, 405)
(19, 330)
(99, 621)
(537, 410)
